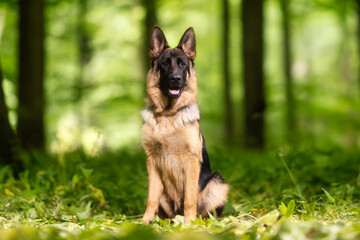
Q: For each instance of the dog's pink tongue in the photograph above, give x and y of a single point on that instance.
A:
(175, 91)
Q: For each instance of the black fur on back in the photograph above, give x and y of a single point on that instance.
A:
(205, 173)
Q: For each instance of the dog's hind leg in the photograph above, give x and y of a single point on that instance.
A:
(213, 196)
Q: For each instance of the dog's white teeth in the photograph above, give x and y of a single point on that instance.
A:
(174, 91)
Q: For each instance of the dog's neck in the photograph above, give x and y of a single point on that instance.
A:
(166, 106)
(186, 115)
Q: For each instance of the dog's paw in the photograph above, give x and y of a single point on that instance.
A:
(188, 219)
(147, 219)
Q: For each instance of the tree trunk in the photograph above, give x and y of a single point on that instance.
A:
(150, 21)
(290, 117)
(229, 128)
(83, 39)
(358, 41)
(8, 141)
(252, 50)
(84, 57)
(31, 67)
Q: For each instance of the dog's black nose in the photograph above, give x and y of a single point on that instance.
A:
(176, 79)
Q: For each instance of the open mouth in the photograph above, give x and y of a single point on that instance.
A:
(174, 91)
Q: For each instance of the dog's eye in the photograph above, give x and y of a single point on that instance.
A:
(182, 64)
(165, 64)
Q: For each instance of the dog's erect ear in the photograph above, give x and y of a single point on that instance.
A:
(157, 43)
(188, 43)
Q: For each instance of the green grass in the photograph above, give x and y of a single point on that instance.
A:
(292, 193)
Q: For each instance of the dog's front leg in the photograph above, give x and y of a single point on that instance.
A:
(191, 189)
(155, 191)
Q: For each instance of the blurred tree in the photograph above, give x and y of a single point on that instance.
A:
(84, 57)
(83, 40)
(229, 127)
(30, 126)
(290, 113)
(358, 40)
(344, 53)
(150, 21)
(252, 52)
(8, 140)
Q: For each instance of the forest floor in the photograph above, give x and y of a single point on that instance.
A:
(304, 193)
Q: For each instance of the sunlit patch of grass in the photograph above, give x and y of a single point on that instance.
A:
(269, 226)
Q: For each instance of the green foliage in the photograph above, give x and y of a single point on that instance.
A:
(328, 195)
(104, 197)
(288, 210)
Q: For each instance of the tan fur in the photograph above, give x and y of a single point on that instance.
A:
(173, 145)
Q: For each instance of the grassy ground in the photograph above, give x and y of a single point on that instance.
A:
(303, 193)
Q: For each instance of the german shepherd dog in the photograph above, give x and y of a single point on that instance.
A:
(180, 178)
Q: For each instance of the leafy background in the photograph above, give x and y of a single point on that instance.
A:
(92, 182)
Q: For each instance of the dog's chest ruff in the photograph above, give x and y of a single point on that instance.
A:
(167, 125)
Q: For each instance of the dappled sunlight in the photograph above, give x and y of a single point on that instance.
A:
(92, 141)
(11, 100)
(70, 136)
(67, 136)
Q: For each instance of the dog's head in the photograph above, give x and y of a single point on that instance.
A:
(173, 63)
